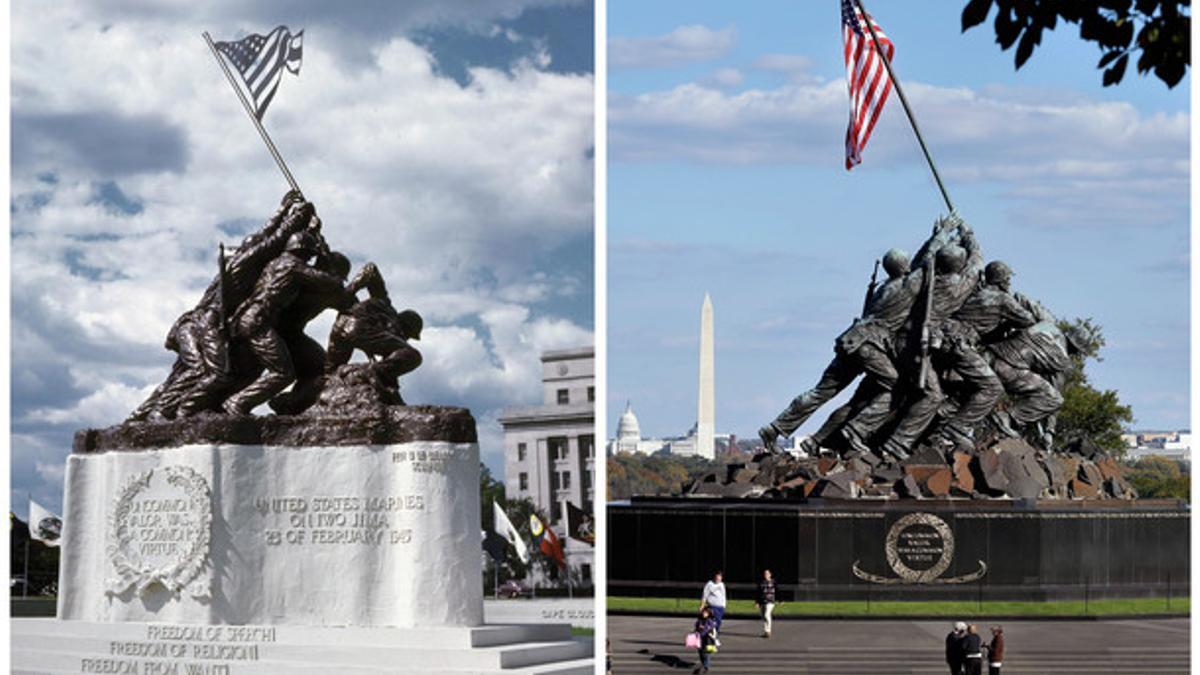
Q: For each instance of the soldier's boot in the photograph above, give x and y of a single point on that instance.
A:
(857, 445)
(897, 451)
(769, 434)
(809, 446)
(1003, 423)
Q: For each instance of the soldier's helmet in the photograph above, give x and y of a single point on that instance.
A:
(895, 262)
(950, 259)
(411, 324)
(997, 273)
(303, 241)
(338, 265)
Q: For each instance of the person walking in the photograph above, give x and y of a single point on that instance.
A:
(714, 599)
(996, 650)
(766, 601)
(954, 648)
(706, 627)
(973, 652)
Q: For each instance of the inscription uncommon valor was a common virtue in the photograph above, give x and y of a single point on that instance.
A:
(160, 531)
(919, 548)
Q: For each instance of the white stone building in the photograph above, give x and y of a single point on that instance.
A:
(550, 449)
(1176, 445)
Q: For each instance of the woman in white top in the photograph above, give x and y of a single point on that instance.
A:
(714, 598)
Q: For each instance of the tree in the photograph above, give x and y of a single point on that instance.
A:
(1088, 412)
(631, 474)
(1158, 30)
(1160, 477)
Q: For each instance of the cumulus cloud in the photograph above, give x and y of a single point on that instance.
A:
(135, 160)
(726, 78)
(795, 66)
(1073, 160)
(685, 44)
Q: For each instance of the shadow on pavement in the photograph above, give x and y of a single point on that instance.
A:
(669, 660)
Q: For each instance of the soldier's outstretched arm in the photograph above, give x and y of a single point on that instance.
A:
(974, 267)
(359, 281)
(945, 231)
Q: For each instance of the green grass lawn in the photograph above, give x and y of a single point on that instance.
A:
(1117, 607)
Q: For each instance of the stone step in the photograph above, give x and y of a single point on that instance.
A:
(576, 667)
(72, 652)
(906, 662)
(570, 658)
(51, 646)
(423, 637)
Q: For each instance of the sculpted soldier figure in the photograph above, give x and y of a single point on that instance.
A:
(201, 373)
(867, 347)
(990, 313)
(1032, 365)
(282, 282)
(308, 357)
(374, 327)
(957, 270)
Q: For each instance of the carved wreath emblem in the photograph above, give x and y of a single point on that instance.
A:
(180, 567)
(896, 549)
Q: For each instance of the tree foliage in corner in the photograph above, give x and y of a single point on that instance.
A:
(652, 475)
(1158, 31)
(1088, 412)
(1159, 477)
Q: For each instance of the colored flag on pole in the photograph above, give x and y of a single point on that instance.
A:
(580, 525)
(866, 77)
(548, 542)
(261, 60)
(495, 545)
(504, 527)
(44, 526)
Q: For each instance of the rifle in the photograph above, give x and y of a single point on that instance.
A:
(870, 289)
(923, 374)
(224, 322)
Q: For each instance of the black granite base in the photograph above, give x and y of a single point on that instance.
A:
(901, 550)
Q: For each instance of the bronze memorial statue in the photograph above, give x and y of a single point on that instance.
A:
(244, 342)
(938, 347)
(959, 382)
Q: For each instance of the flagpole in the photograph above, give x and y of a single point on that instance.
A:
(904, 102)
(250, 111)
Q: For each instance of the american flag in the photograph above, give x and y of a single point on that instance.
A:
(866, 76)
(261, 60)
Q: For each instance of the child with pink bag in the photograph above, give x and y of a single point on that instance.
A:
(703, 639)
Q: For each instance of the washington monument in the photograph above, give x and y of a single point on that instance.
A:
(705, 415)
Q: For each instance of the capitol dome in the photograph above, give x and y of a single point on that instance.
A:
(627, 428)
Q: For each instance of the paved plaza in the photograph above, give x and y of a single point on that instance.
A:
(654, 645)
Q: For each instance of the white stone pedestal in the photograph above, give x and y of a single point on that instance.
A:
(281, 557)
(384, 535)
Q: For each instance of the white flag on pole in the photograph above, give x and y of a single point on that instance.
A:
(44, 526)
(504, 528)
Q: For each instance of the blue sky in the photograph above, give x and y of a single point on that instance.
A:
(451, 143)
(726, 123)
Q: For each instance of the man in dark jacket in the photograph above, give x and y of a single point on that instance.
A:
(954, 648)
(766, 601)
(973, 652)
